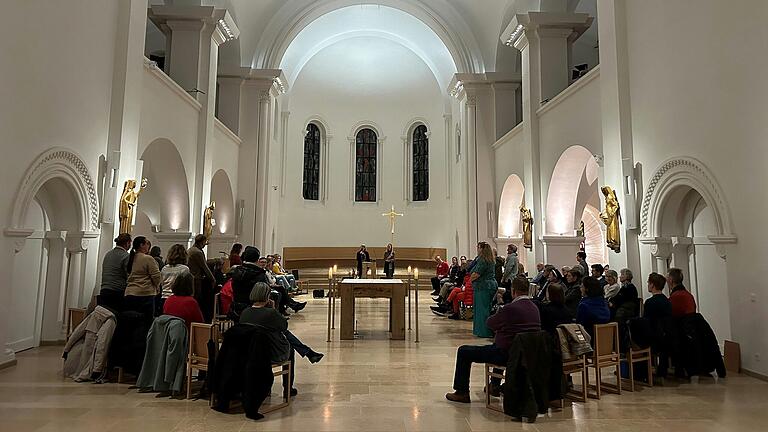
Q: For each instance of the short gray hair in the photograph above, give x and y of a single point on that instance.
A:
(260, 293)
(627, 274)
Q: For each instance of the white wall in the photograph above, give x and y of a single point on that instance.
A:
(364, 79)
(697, 88)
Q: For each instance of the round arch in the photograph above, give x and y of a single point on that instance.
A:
(573, 183)
(221, 193)
(166, 199)
(448, 25)
(64, 165)
(509, 206)
(667, 181)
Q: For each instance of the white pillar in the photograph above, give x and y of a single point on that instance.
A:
(229, 101)
(54, 302)
(11, 243)
(561, 250)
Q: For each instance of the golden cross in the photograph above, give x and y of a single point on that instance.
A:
(392, 214)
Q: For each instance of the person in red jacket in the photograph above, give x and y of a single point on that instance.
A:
(181, 304)
(682, 301)
(440, 274)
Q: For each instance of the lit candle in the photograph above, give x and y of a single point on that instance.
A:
(335, 268)
(409, 269)
(416, 273)
(330, 272)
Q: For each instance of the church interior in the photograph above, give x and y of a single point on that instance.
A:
(538, 131)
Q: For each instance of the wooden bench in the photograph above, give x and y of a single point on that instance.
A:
(317, 260)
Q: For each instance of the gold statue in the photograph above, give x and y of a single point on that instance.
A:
(208, 221)
(526, 219)
(611, 218)
(580, 231)
(128, 201)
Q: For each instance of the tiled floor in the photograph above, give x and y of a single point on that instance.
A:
(370, 384)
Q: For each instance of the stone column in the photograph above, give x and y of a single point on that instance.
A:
(229, 91)
(543, 39)
(259, 90)
(195, 33)
(661, 251)
(11, 243)
(54, 301)
(77, 294)
(681, 251)
(616, 116)
(561, 250)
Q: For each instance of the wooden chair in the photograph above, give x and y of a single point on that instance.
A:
(74, 317)
(606, 354)
(197, 359)
(492, 371)
(570, 367)
(279, 370)
(637, 355)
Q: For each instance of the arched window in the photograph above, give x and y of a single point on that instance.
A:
(365, 165)
(311, 183)
(420, 164)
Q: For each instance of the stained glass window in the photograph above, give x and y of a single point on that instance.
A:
(420, 164)
(311, 183)
(365, 166)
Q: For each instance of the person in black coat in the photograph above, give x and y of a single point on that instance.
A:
(362, 256)
(554, 313)
(624, 305)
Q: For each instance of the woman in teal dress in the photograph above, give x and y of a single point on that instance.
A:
(483, 279)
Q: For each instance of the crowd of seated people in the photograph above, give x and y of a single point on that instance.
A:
(135, 290)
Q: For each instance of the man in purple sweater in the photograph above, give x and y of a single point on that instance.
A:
(520, 316)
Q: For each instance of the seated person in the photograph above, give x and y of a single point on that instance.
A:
(541, 278)
(612, 286)
(593, 309)
(520, 316)
(463, 294)
(597, 271)
(454, 281)
(181, 304)
(681, 299)
(285, 301)
(262, 313)
(554, 313)
(658, 310)
(441, 274)
(573, 289)
(278, 270)
(624, 305)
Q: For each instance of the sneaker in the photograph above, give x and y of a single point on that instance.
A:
(437, 299)
(297, 306)
(437, 310)
(315, 357)
(455, 316)
(458, 397)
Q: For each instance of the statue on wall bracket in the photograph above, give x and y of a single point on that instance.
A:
(611, 217)
(128, 201)
(526, 219)
(208, 221)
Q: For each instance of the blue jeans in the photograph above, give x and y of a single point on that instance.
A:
(296, 344)
(468, 354)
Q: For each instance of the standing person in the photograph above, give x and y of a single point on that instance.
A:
(511, 266)
(389, 262)
(157, 254)
(234, 255)
(624, 304)
(484, 287)
(498, 268)
(144, 279)
(176, 265)
(441, 272)
(362, 256)
(114, 274)
(581, 259)
(682, 301)
(204, 279)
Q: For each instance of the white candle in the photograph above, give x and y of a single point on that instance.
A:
(335, 268)
(409, 269)
(416, 273)
(330, 272)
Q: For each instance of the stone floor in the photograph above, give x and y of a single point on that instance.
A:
(370, 384)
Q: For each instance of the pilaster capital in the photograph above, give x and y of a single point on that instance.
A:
(268, 82)
(544, 24)
(218, 22)
(78, 241)
(562, 240)
(19, 236)
(661, 247)
(183, 237)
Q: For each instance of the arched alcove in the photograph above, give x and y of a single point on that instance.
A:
(573, 184)
(166, 198)
(509, 206)
(221, 193)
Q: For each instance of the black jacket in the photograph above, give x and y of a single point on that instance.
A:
(129, 341)
(695, 347)
(534, 375)
(243, 369)
(243, 278)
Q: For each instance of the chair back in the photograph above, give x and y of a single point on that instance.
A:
(217, 304)
(606, 339)
(199, 335)
(76, 316)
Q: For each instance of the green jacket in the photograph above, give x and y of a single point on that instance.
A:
(166, 355)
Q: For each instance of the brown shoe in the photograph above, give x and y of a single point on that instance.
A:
(458, 397)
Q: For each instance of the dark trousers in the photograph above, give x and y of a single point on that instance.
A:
(435, 284)
(111, 299)
(389, 269)
(296, 344)
(468, 354)
(142, 304)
